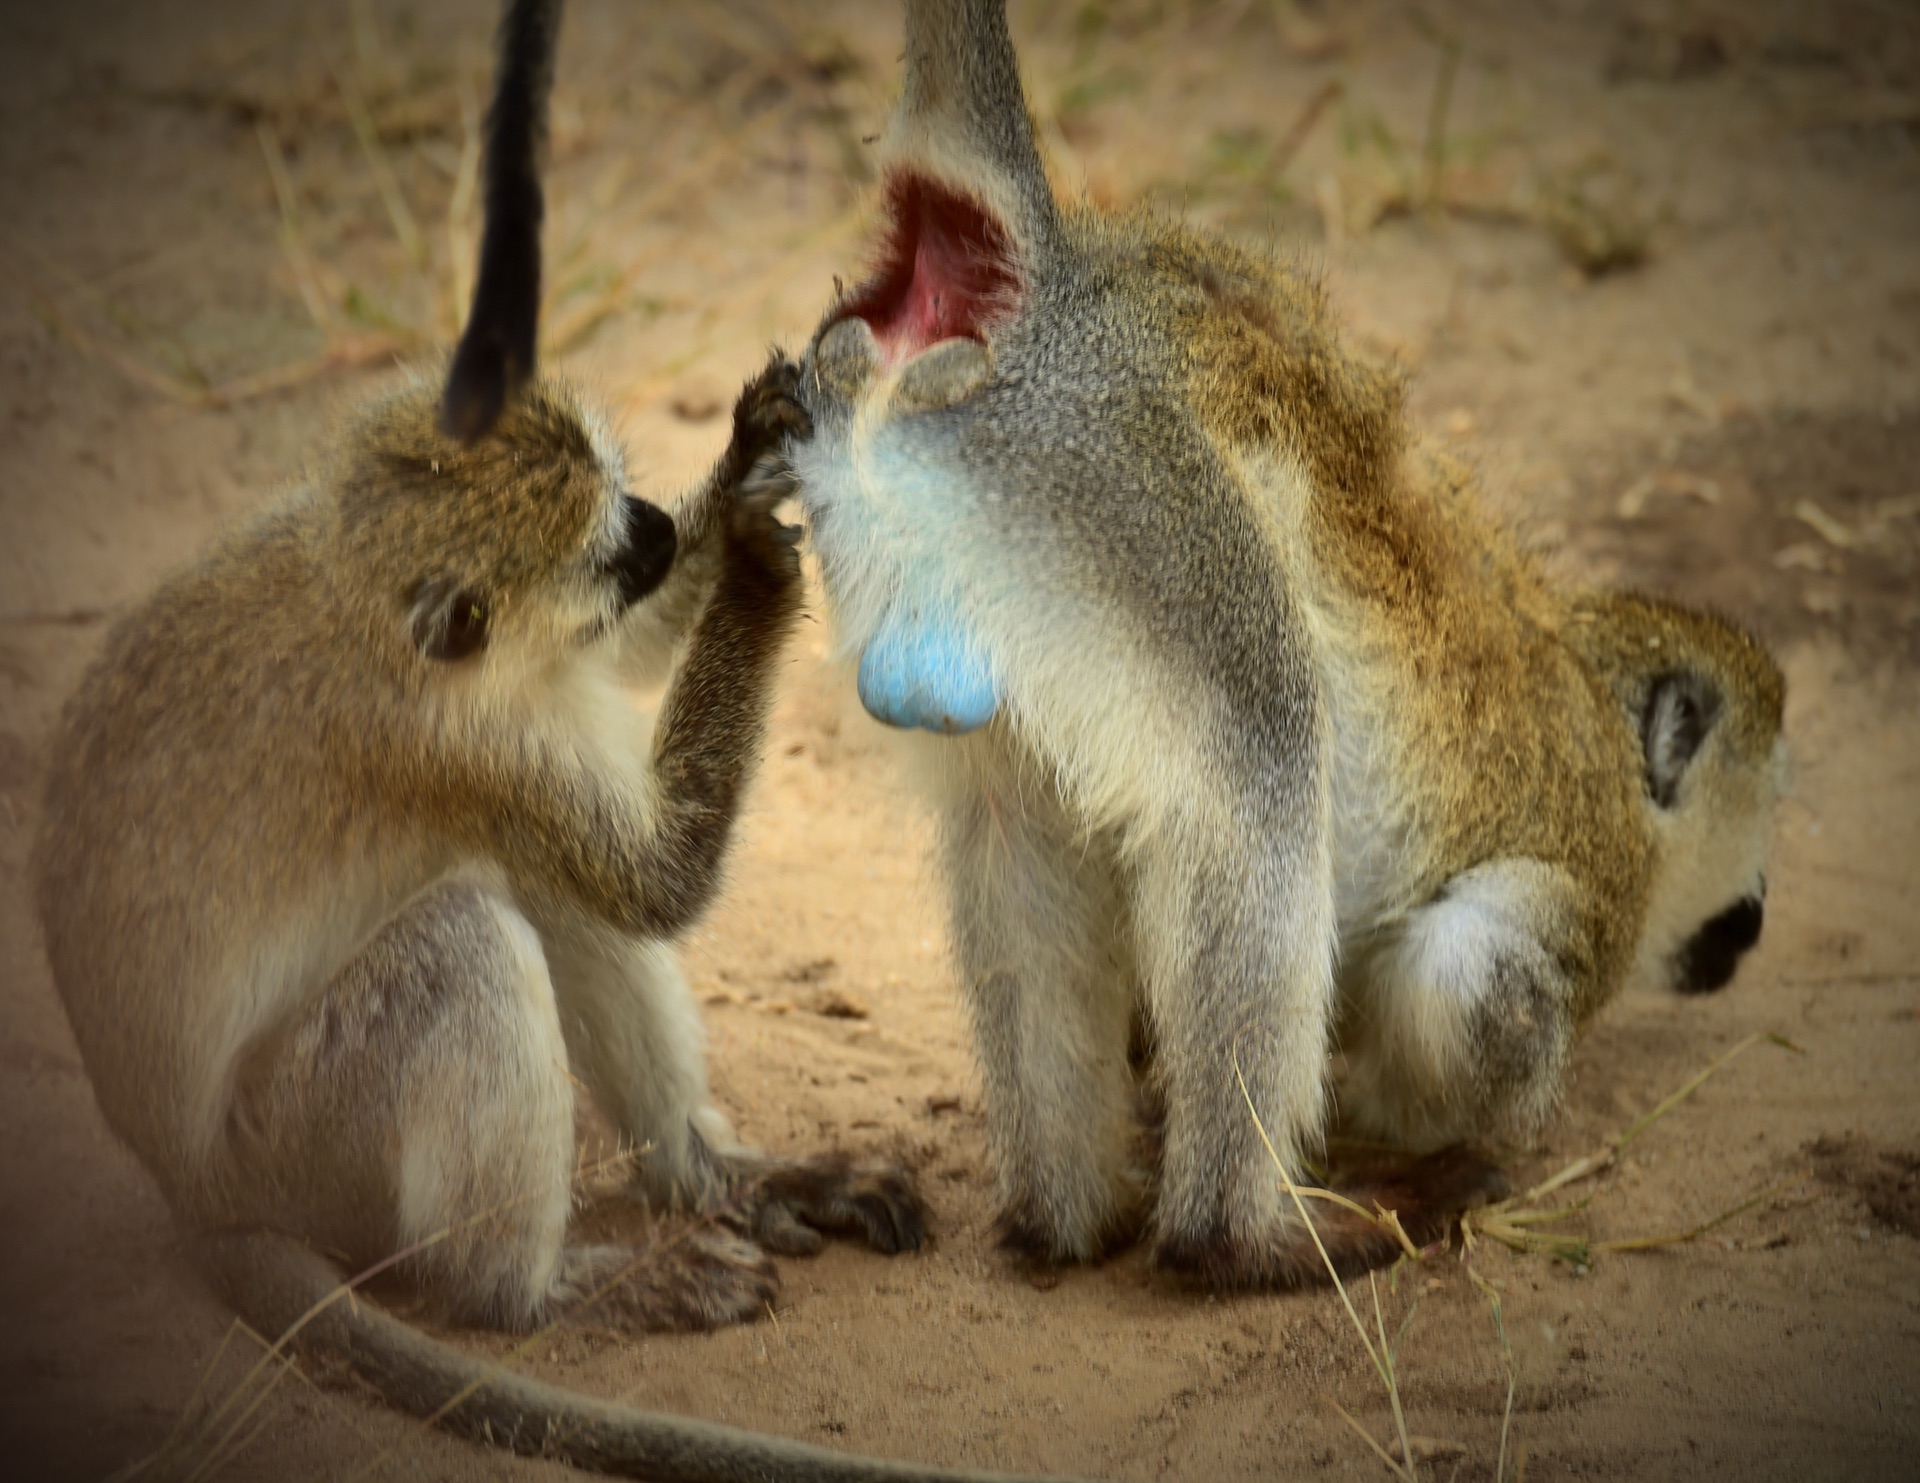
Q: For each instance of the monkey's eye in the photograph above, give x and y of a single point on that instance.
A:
(449, 623)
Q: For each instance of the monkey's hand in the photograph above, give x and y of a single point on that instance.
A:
(768, 413)
(758, 544)
(790, 1206)
(766, 416)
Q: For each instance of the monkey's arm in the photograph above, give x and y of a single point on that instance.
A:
(764, 416)
(650, 865)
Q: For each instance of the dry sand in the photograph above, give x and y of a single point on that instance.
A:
(1766, 353)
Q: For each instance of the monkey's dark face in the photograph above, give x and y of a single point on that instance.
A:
(1713, 776)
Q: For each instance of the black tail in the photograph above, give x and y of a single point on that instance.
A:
(496, 354)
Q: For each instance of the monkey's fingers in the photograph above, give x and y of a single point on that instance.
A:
(768, 482)
(777, 1228)
(847, 1197)
(701, 1280)
(769, 409)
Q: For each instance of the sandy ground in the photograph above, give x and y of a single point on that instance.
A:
(1734, 418)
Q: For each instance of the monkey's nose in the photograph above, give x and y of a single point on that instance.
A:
(647, 556)
(1708, 960)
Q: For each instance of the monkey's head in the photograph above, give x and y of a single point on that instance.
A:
(1705, 699)
(520, 545)
(487, 508)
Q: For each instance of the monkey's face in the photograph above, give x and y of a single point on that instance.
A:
(1716, 769)
(510, 552)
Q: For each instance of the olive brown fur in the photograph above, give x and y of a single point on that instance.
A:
(1297, 753)
(357, 859)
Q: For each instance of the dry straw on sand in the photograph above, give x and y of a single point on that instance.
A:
(1518, 1223)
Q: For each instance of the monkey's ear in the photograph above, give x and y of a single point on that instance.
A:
(496, 354)
(963, 115)
(448, 622)
(1681, 710)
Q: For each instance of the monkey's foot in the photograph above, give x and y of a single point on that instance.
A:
(1427, 1195)
(698, 1279)
(791, 1205)
(1105, 1224)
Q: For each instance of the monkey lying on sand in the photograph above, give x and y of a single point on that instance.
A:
(1267, 741)
(354, 855)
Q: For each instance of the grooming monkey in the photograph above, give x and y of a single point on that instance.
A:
(354, 855)
(1270, 743)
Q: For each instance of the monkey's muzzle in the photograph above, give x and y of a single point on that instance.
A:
(643, 562)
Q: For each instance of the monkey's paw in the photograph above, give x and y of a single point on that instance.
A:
(768, 411)
(701, 1278)
(792, 1205)
(1427, 1194)
(754, 530)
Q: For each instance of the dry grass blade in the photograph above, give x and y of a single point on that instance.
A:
(1604, 1157)
(384, 180)
(198, 1446)
(466, 180)
(1382, 1357)
(1301, 130)
(173, 1439)
(1514, 1223)
(700, 164)
(345, 353)
(520, 1351)
(1700, 1079)
(1404, 1470)
(1435, 146)
(1506, 1348)
(232, 1442)
(795, 258)
(1680, 1238)
(1393, 1374)
(177, 387)
(292, 242)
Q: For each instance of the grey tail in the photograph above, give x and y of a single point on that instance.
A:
(281, 1287)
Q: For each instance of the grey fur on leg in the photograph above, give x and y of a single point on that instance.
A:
(1044, 958)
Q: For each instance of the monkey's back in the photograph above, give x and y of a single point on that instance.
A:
(1466, 727)
(190, 805)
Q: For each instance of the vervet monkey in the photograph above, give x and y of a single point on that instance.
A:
(1264, 740)
(355, 854)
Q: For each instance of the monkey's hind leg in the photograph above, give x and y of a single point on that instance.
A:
(1457, 1024)
(638, 1044)
(422, 1104)
(1041, 938)
(1237, 941)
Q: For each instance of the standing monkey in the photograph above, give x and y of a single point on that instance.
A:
(1270, 742)
(353, 857)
